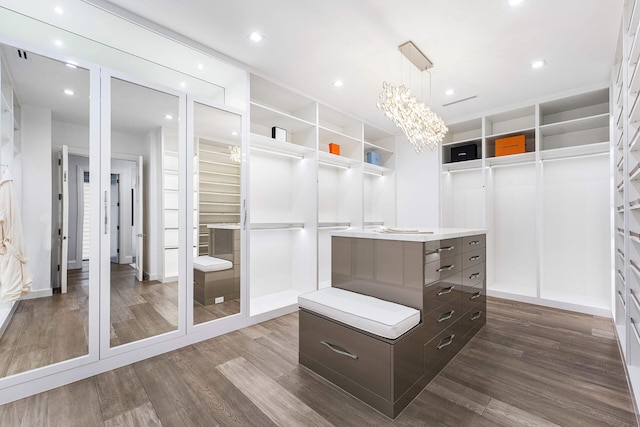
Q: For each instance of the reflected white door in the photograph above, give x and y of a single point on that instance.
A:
(64, 229)
(139, 224)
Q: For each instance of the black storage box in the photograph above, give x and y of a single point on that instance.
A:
(461, 153)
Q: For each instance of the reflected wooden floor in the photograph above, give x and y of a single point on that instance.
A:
(52, 329)
(47, 330)
(529, 365)
(140, 309)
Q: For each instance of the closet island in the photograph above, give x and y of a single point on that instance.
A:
(402, 303)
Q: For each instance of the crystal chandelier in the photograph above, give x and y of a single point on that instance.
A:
(421, 126)
(236, 154)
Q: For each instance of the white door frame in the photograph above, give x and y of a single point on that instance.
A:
(221, 323)
(64, 227)
(106, 351)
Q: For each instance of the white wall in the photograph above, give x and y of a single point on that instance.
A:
(36, 192)
(417, 186)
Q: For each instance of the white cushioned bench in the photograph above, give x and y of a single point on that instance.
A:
(212, 279)
(206, 264)
(367, 313)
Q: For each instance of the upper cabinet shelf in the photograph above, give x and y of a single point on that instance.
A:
(575, 121)
(308, 129)
(274, 106)
(567, 127)
(510, 122)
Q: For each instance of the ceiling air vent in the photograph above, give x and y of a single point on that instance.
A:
(460, 100)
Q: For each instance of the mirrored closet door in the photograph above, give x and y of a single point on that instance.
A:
(49, 162)
(215, 136)
(144, 204)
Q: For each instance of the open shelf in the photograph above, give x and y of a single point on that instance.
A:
(450, 150)
(575, 151)
(466, 131)
(338, 161)
(349, 146)
(511, 159)
(529, 135)
(376, 170)
(276, 147)
(461, 166)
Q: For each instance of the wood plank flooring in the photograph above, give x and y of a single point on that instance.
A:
(47, 330)
(529, 365)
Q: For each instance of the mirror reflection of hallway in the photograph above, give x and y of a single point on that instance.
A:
(42, 127)
(143, 212)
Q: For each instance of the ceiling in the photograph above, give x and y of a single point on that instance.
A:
(479, 48)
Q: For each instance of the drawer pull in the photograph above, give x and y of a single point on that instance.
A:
(474, 242)
(474, 276)
(445, 291)
(339, 350)
(475, 295)
(476, 315)
(446, 268)
(474, 258)
(448, 248)
(445, 342)
(446, 316)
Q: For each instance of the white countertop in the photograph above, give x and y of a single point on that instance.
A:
(422, 234)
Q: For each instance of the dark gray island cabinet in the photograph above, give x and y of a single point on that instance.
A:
(441, 274)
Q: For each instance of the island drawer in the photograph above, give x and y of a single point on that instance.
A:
(473, 275)
(354, 355)
(442, 248)
(444, 267)
(474, 296)
(471, 243)
(442, 292)
(469, 259)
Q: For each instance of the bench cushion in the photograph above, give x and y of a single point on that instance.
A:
(379, 317)
(208, 263)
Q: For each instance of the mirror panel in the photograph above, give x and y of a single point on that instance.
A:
(217, 213)
(143, 212)
(45, 149)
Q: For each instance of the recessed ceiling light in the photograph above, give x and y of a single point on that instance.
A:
(338, 83)
(58, 42)
(234, 133)
(256, 37)
(200, 66)
(168, 116)
(515, 2)
(183, 84)
(450, 92)
(538, 63)
(58, 9)
(69, 92)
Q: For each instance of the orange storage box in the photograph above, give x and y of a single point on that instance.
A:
(511, 145)
(334, 148)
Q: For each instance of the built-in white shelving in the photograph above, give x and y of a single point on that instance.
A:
(300, 191)
(281, 194)
(532, 195)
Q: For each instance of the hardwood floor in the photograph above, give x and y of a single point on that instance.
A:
(47, 330)
(52, 329)
(529, 365)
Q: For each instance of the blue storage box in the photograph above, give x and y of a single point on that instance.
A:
(374, 158)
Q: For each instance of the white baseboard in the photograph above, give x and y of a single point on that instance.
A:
(38, 294)
(551, 303)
